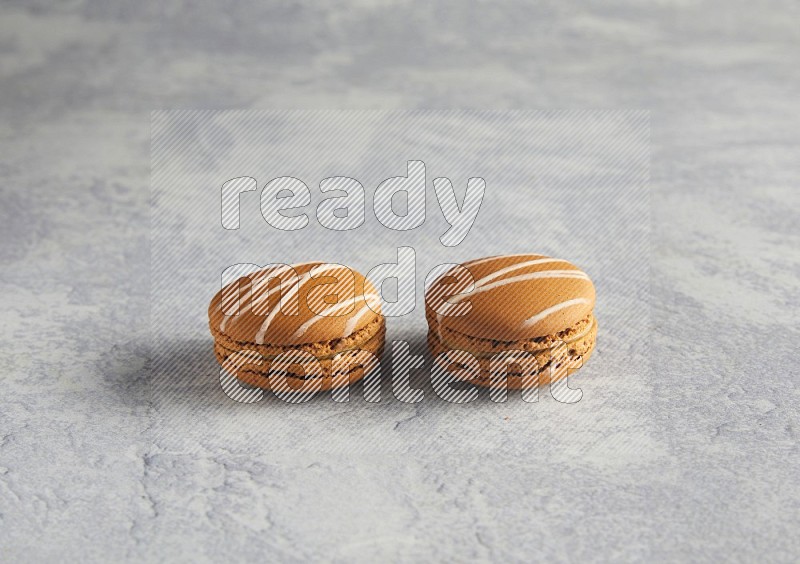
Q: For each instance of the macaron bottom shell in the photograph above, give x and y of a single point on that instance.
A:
(251, 368)
(579, 351)
(319, 349)
(478, 345)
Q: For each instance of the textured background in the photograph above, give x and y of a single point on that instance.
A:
(698, 461)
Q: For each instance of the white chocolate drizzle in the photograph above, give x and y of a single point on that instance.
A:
(485, 284)
(337, 307)
(262, 331)
(523, 278)
(550, 310)
(259, 291)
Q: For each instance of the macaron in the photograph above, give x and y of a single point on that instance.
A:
(288, 324)
(539, 305)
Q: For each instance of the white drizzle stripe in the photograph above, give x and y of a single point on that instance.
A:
(550, 310)
(258, 296)
(232, 291)
(523, 278)
(438, 290)
(258, 280)
(251, 299)
(573, 274)
(260, 286)
(353, 321)
(486, 279)
(290, 294)
(261, 294)
(333, 308)
(494, 258)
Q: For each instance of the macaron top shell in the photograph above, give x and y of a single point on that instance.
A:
(294, 304)
(515, 297)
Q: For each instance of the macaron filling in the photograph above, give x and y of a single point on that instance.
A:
(453, 361)
(480, 346)
(363, 336)
(321, 349)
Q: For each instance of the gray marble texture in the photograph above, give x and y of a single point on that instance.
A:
(695, 461)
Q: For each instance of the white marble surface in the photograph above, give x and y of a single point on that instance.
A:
(698, 461)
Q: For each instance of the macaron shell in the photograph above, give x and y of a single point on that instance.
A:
(322, 302)
(258, 373)
(320, 349)
(455, 340)
(545, 377)
(520, 297)
(583, 348)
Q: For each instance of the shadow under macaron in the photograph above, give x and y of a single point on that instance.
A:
(185, 375)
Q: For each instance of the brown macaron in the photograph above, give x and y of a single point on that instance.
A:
(293, 323)
(534, 304)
